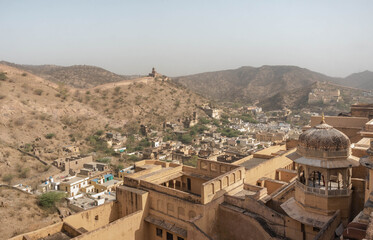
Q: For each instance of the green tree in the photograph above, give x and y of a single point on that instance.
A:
(50, 135)
(191, 161)
(3, 77)
(38, 92)
(7, 178)
(186, 138)
(49, 199)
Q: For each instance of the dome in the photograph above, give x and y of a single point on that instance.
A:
(324, 137)
(323, 141)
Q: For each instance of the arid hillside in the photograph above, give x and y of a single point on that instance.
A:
(79, 76)
(20, 213)
(248, 84)
(363, 80)
(36, 113)
(297, 99)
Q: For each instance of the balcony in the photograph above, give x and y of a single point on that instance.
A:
(320, 190)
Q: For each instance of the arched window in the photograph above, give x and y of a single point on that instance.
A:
(192, 214)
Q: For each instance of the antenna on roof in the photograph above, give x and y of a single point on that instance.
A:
(322, 118)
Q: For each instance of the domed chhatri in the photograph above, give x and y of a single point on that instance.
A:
(324, 163)
(324, 146)
(324, 137)
(324, 142)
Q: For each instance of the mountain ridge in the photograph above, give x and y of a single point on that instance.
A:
(248, 84)
(79, 76)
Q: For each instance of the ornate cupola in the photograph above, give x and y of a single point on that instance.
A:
(324, 162)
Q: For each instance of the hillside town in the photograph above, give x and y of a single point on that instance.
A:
(186, 120)
(279, 179)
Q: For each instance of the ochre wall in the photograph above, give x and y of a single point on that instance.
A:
(271, 186)
(369, 184)
(129, 228)
(321, 204)
(151, 233)
(267, 169)
(275, 220)
(286, 175)
(359, 172)
(106, 213)
(294, 230)
(239, 226)
(130, 200)
(174, 206)
(41, 233)
(358, 195)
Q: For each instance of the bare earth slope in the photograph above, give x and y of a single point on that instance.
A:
(40, 117)
(31, 108)
(20, 213)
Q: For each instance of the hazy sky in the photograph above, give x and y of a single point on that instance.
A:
(185, 37)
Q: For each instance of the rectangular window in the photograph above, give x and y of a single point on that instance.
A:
(159, 232)
(189, 184)
(170, 236)
(316, 229)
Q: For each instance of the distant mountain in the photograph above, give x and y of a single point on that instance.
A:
(79, 76)
(249, 84)
(297, 99)
(362, 80)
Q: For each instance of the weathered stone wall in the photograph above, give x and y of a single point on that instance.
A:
(218, 186)
(268, 168)
(358, 196)
(285, 174)
(130, 227)
(239, 226)
(327, 232)
(94, 218)
(43, 232)
(130, 200)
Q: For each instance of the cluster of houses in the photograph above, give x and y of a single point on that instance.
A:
(86, 183)
(89, 183)
(211, 144)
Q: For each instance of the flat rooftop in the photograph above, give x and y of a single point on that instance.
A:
(110, 182)
(153, 173)
(241, 194)
(253, 162)
(271, 151)
(363, 143)
(83, 202)
(73, 180)
(340, 122)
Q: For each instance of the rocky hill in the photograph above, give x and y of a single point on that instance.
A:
(248, 84)
(363, 80)
(37, 113)
(298, 99)
(79, 76)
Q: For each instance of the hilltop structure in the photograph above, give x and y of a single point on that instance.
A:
(325, 96)
(157, 75)
(154, 73)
